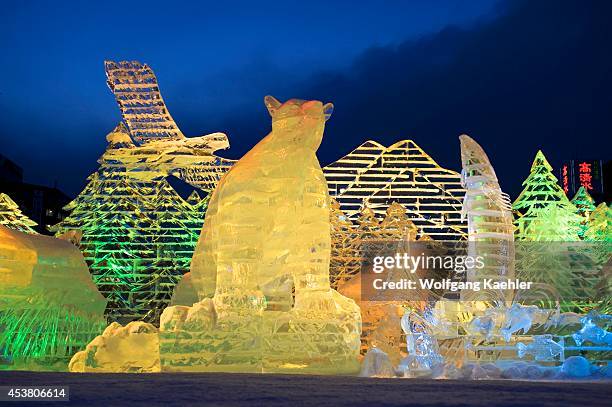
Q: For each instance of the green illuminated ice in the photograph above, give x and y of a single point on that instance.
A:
(49, 306)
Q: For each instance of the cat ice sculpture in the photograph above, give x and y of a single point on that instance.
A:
(262, 260)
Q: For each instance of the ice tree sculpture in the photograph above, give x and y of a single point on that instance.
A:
(396, 225)
(344, 260)
(550, 254)
(380, 319)
(137, 236)
(49, 306)
(551, 222)
(585, 205)
(488, 212)
(12, 217)
(261, 267)
(599, 235)
(376, 175)
(600, 224)
(162, 145)
(542, 191)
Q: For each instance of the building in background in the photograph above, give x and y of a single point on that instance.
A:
(593, 175)
(43, 204)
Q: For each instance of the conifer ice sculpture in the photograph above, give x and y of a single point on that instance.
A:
(600, 224)
(585, 205)
(12, 217)
(553, 224)
(138, 233)
(49, 306)
(261, 267)
(542, 193)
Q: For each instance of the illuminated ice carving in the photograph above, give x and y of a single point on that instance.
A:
(133, 348)
(263, 257)
(137, 235)
(542, 193)
(489, 215)
(376, 175)
(161, 144)
(421, 344)
(521, 317)
(49, 306)
(591, 332)
(376, 363)
(12, 217)
(542, 348)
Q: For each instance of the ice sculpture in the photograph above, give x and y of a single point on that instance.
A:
(133, 348)
(162, 145)
(484, 326)
(591, 332)
(577, 366)
(184, 292)
(49, 307)
(376, 363)
(263, 258)
(402, 173)
(542, 348)
(421, 344)
(541, 193)
(521, 317)
(137, 236)
(585, 205)
(489, 215)
(12, 217)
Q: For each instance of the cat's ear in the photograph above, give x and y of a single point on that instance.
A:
(328, 109)
(272, 104)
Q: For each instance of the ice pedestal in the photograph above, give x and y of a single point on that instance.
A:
(261, 267)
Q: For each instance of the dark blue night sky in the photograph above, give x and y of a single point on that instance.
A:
(517, 76)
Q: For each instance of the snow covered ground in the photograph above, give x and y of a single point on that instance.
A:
(288, 390)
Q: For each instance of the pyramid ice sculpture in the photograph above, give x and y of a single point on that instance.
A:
(261, 267)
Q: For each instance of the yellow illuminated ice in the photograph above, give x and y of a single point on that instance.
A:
(133, 348)
(263, 257)
(49, 306)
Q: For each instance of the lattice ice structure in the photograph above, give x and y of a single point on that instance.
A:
(544, 214)
(162, 146)
(137, 93)
(401, 173)
(138, 233)
(585, 204)
(12, 217)
(542, 192)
